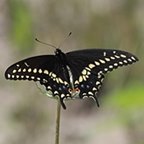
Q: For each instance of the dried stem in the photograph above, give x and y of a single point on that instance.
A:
(57, 133)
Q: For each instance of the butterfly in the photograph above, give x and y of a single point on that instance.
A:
(76, 74)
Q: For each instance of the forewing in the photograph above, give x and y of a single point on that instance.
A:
(44, 69)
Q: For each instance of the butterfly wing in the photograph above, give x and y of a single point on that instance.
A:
(89, 66)
(45, 70)
(30, 68)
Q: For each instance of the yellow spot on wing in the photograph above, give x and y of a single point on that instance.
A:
(45, 71)
(120, 62)
(76, 82)
(32, 77)
(91, 66)
(53, 75)
(117, 56)
(102, 61)
(84, 72)
(35, 70)
(97, 63)
(105, 69)
(40, 71)
(57, 80)
(29, 70)
(133, 58)
(19, 70)
(115, 64)
(110, 66)
(27, 76)
(97, 83)
(123, 56)
(60, 80)
(14, 71)
(129, 60)
(125, 61)
(24, 70)
(112, 57)
(107, 59)
(80, 79)
(9, 75)
(90, 93)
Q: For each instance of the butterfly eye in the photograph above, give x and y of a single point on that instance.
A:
(77, 89)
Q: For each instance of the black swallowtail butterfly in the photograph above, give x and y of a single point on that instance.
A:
(76, 74)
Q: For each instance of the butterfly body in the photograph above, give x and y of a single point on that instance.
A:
(76, 74)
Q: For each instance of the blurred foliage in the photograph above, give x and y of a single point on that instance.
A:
(130, 98)
(21, 26)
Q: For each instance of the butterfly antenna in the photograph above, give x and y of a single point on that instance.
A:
(53, 45)
(45, 43)
(65, 39)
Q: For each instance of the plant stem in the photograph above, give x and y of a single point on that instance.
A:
(57, 134)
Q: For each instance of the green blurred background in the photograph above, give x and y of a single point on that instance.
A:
(27, 116)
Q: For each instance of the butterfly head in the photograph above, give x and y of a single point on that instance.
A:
(58, 51)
